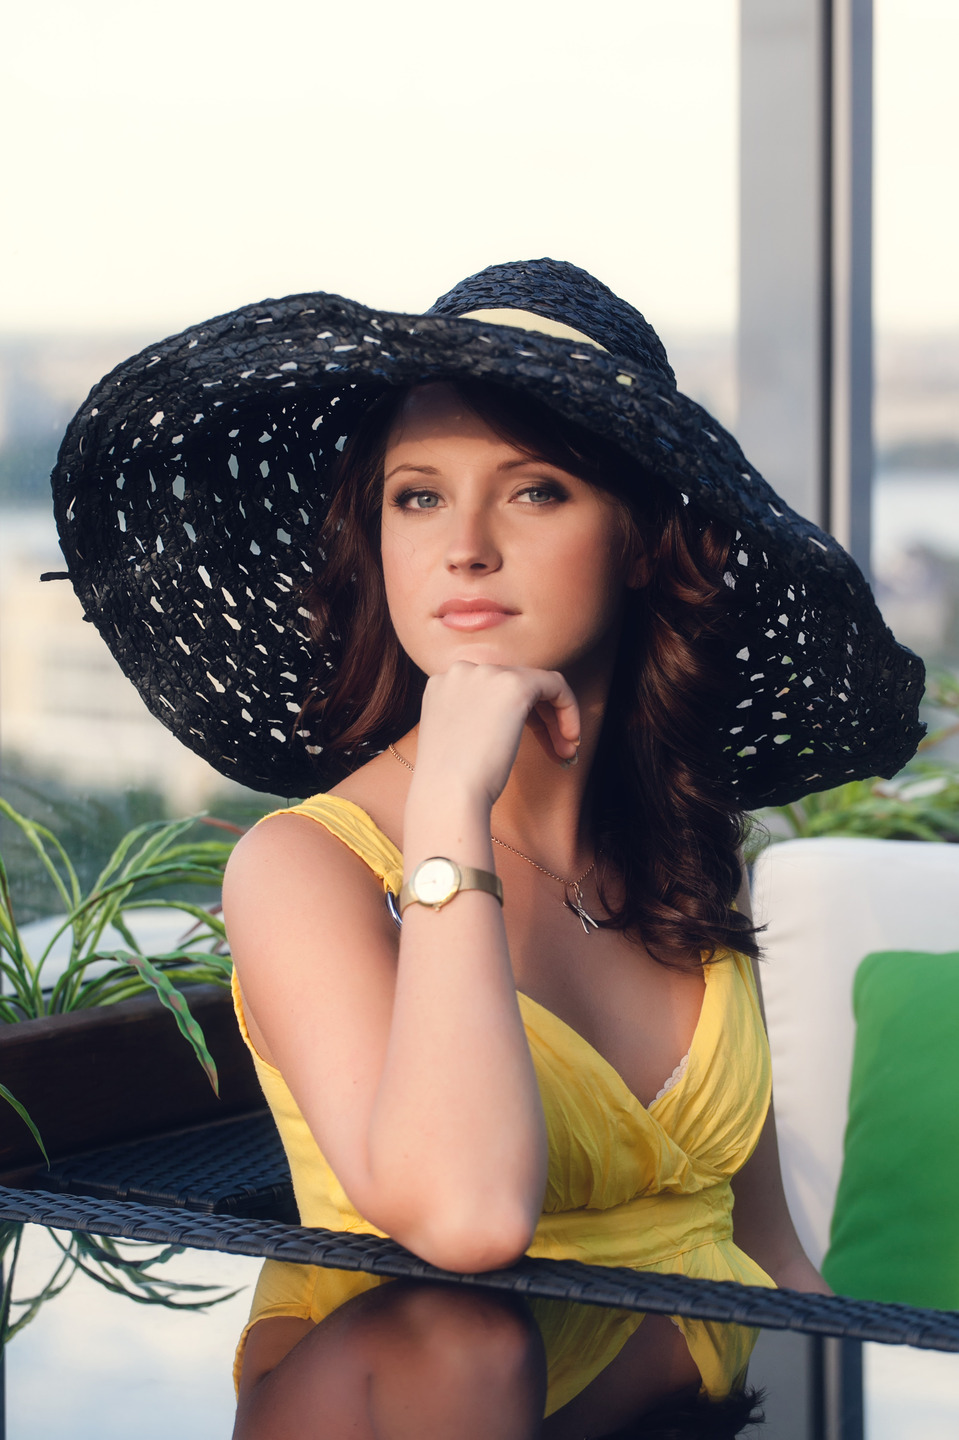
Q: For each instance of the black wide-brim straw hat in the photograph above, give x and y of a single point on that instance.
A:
(191, 484)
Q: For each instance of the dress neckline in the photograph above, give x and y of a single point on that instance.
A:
(599, 1060)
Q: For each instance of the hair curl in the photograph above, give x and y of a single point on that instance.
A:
(666, 842)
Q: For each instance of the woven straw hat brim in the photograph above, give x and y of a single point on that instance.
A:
(191, 484)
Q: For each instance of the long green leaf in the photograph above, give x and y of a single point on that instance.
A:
(157, 849)
(11, 1016)
(123, 930)
(159, 876)
(151, 857)
(175, 1002)
(106, 1266)
(10, 937)
(103, 1249)
(198, 913)
(12, 1100)
(36, 835)
(72, 990)
(184, 967)
(29, 1305)
(143, 858)
(8, 1286)
(98, 911)
(144, 1290)
(119, 858)
(23, 985)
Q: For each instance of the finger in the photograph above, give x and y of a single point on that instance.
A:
(548, 740)
(537, 725)
(543, 722)
(558, 694)
(558, 712)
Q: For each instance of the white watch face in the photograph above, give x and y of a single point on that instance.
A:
(436, 881)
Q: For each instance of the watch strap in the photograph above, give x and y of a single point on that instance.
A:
(470, 879)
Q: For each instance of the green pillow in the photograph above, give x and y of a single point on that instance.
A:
(895, 1229)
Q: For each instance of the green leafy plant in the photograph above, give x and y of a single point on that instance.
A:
(920, 803)
(133, 1271)
(105, 963)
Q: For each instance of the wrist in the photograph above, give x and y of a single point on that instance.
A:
(446, 820)
(438, 880)
(448, 800)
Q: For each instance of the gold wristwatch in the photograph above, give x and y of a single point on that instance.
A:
(434, 882)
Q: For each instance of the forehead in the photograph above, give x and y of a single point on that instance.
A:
(435, 412)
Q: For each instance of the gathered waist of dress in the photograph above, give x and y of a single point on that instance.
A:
(646, 1231)
(671, 1232)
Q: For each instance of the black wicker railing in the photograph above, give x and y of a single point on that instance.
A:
(557, 1280)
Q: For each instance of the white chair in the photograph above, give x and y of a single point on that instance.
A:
(827, 904)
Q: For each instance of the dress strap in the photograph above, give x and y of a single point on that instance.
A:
(356, 830)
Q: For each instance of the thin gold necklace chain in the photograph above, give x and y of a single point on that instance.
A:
(543, 868)
(575, 903)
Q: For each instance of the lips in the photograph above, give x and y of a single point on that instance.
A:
(478, 613)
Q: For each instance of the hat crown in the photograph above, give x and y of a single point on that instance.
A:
(565, 293)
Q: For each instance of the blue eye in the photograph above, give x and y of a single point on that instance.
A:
(416, 500)
(541, 494)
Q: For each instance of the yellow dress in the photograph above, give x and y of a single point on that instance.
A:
(645, 1187)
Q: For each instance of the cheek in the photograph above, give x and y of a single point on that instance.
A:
(396, 560)
(594, 575)
(402, 582)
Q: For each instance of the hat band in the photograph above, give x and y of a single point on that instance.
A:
(527, 320)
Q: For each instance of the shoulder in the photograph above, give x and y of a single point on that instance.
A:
(292, 848)
(313, 946)
(352, 817)
(303, 910)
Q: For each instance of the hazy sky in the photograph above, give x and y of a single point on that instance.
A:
(165, 161)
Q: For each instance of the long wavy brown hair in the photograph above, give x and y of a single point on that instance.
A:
(667, 844)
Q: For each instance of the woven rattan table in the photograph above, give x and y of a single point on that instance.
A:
(560, 1280)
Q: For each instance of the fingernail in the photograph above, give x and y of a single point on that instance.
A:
(571, 761)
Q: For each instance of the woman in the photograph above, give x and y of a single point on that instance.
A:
(627, 639)
(506, 579)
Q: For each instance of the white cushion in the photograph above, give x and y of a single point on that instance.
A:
(828, 903)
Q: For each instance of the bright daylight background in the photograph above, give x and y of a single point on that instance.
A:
(165, 162)
(185, 158)
(172, 162)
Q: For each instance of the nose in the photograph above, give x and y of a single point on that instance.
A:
(471, 543)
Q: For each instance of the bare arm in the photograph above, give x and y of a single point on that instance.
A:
(762, 1222)
(414, 1074)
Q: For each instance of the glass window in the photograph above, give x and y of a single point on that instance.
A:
(916, 496)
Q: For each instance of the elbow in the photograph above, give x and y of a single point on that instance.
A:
(465, 1227)
(471, 1243)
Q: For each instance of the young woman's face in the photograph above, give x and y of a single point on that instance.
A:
(494, 557)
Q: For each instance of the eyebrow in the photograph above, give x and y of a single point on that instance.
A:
(506, 465)
(414, 469)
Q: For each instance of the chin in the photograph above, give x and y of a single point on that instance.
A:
(482, 655)
(491, 648)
